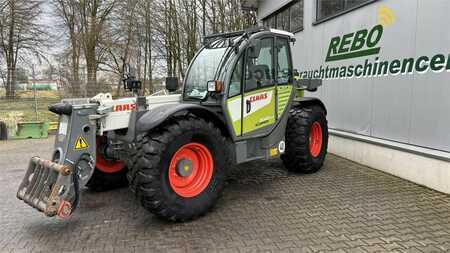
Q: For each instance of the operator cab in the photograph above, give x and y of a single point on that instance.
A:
(246, 77)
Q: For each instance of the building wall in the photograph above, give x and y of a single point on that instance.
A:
(414, 108)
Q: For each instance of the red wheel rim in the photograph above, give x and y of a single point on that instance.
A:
(198, 165)
(315, 139)
(106, 165)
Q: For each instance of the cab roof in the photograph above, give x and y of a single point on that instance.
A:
(281, 32)
(221, 37)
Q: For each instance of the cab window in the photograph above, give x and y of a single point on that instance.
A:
(236, 78)
(284, 68)
(259, 65)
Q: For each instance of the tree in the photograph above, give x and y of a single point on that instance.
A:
(147, 11)
(21, 75)
(121, 40)
(49, 72)
(67, 11)
(93, 17)
(157, 37)
(21, 36)
(2, 72)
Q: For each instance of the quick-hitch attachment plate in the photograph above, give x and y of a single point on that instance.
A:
(45, 187)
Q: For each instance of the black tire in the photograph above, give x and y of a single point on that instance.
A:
(298, 157)
(3, 131)
(101, 181)
(149, 168)
(105, 181)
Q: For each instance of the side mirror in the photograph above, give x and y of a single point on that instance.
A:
(126, 71)
(172, 84)
(215, 86)
(253, 49)
(296, 74)
(129, 72)
(132, 85)
(252, 52)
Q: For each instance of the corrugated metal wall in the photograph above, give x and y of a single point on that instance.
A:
(412, 108)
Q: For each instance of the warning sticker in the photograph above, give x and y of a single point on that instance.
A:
(81, 143)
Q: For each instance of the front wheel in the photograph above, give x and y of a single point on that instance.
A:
(178, 170)
(306, 140)
(109, 173)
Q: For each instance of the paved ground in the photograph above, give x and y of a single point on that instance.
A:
(345, 207)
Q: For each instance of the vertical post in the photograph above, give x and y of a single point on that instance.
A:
(34, 93)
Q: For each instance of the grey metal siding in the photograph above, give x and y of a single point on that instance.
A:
(410, 108)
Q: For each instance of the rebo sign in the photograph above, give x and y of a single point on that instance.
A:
(353, 45)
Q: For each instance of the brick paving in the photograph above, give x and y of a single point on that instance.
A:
(346, 207)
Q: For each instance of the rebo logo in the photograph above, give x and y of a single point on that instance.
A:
(356, 44)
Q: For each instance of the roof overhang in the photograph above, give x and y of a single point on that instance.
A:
(251, 5)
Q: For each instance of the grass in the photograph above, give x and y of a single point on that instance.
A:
(25, 105)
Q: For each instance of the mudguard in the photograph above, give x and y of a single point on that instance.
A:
(158, 115)
(308, 101)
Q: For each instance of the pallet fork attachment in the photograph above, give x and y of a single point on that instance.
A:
(44, 187)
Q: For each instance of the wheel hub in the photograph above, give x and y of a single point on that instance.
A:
(106, 165)
(184, 168)
(315, 139)
(190, 170)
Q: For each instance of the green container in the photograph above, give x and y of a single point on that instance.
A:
(30, 130)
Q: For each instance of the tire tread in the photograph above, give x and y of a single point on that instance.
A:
(297, 157)
(145, 172)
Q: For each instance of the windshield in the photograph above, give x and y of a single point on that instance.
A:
(202, 70)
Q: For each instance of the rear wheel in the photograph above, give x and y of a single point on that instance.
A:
(306, 140)
(109, 173)
(178, 170)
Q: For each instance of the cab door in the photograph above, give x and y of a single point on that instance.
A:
(234, 98)
(284, 74)
(259, 93)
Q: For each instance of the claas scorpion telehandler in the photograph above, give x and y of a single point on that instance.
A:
(241, 101)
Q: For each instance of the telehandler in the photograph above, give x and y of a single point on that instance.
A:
(241, 101)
